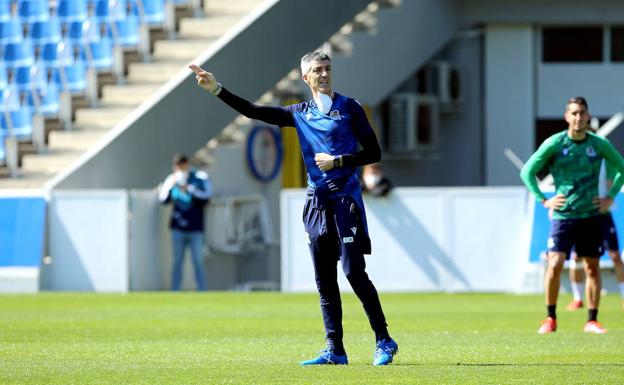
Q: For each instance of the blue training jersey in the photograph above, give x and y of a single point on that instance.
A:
(334, 133)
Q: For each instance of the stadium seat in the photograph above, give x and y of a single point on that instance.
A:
(5, 10)
(72, 78)
(4, 80)
(70, 11)
(83, 31)
(45, 101)
(57, 54)
(29, 78)
(10, 99)
(98, 54)
(110, 10)
(30, 11)
(19, 123)
(46, 31)
(11, 31)
(18, 54)
(151, 12)
(126, 32)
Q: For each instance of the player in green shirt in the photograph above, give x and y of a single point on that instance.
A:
(573, 157)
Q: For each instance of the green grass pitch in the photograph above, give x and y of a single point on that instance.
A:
(259, 338)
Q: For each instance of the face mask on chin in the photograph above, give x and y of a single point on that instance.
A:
(323, 102)
(371, 180)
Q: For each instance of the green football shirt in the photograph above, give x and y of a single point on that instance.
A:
(575, 167)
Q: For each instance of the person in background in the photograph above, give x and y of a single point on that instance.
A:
(374, 182)
(188, 191)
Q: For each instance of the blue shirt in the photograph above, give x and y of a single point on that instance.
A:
(188, 203)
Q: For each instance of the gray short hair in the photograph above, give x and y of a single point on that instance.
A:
(309, 57)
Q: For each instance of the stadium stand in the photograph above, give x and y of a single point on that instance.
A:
(71, 69)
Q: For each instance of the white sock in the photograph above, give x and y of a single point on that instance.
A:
(577, 290)
(622, 289)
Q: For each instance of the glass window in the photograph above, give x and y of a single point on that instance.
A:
(572, 44)
(617, 43)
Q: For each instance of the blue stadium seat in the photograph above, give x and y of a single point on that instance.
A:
(11, 31)
(46, 101)
(57, 54)
(20, 122)
(45, 31)
(9, 97)
(30, 11)
(4, 80)
(29, 78)
(110, 10)
(71, 78)
(19, 54)
(98, 54)
(151, 12)
(5, 10)
(126, 32)
(72, 10)
(83, 31)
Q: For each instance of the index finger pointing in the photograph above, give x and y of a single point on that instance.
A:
(196, 69)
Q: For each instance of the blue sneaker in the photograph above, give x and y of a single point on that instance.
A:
(327, 357)
(385, 351)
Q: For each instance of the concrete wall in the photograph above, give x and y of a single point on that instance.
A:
(461, 131)
(405, 37)
(509, 99)
(602, 84)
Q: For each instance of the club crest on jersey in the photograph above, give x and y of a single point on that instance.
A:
(566, 151)
(335, 114)
(590, 151)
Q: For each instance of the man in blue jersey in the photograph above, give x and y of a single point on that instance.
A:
(329, 128)
(188, 191)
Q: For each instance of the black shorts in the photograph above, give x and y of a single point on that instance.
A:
(609, 233)
(585, 235)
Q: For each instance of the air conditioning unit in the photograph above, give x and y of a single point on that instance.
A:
(444, 80)
(413, 123)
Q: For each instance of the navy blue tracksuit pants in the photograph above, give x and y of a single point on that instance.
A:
(336, 233)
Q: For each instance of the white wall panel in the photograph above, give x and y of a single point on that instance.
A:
(88, 241)
(426, 239)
